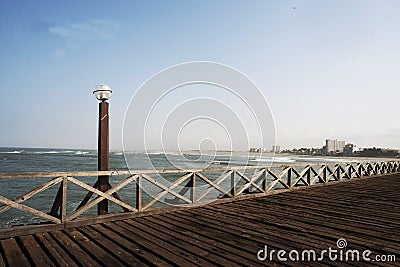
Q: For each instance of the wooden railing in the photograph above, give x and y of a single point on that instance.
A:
(232, 183)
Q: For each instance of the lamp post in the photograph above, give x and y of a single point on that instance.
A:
(102, 92)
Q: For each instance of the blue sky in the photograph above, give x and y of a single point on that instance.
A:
(329, 69)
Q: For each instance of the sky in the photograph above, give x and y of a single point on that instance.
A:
(328, 69)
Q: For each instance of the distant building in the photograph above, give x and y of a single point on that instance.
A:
(348, 149)
(257, 149)
(340, 146)
(330, 146)
(276, 148)
(333, 146)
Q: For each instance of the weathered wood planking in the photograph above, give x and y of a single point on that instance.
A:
(365, 212)
(255, 186)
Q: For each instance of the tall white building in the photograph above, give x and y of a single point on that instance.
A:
(330, 146)
(276, 148)
(340, 146)
(333, 146)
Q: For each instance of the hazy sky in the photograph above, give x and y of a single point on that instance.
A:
(329, 69)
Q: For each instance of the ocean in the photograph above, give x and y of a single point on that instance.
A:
(17, 160)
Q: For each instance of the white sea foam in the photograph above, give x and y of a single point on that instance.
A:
(276, 159)
(322, 160)
(81, 152)
(166, 153)
(154, 153)
(46, 152)
(12, 152)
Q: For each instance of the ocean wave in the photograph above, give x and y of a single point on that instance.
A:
(166, 153)
(322, 160)
(277, 159)
(154, 153)
(81, 152)
(118, 153)
(46, 152)
(12, 152)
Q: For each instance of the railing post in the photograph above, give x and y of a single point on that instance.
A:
(264, 179)
(233, 184)
(349, 172)
(192, 191)
(324, 174)
(139, 193)
(289, 177)
(308, 173)
(103, 154)
(63, 211)
(338, 174)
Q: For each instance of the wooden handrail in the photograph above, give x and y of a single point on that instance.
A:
(264, 180)
(163, 171)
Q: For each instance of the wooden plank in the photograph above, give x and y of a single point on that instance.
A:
(165, 188)
(2, 260)
(350, 227)
(102, 255)
(272, 233)
(298, 224)
(163, 193)
(216, 183)
(102, 194)
(121, 216)
(250, 182)
(35, 252)
(56, 203)
(193, 190)
(202, 253)
(53, 249)
(112, 191)
(30, 210)
(29, 229)
(171, 171)
(33, 192)
(239, 251)
(326, 214)
(142, 253)
(207, 243)
(213, 185)
(339, 209)
(248, 238)
(233, 183)
(154, 238)
(63, 210)
(13, 253)
(139, 193)
(74, 249)
(123, 255)
(156, 249)
(88, 196)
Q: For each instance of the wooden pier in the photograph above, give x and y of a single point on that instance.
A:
(364, 210)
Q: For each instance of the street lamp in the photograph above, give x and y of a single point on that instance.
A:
(102, 92)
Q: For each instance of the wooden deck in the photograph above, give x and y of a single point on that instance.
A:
(365, 212)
